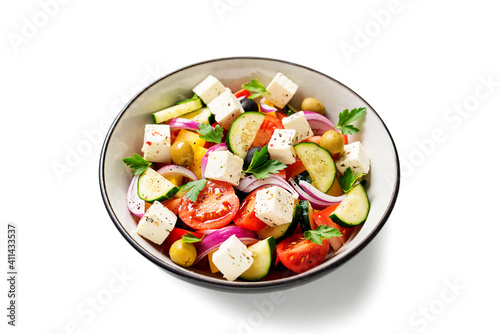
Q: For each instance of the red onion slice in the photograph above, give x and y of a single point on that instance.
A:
(315, 203)
(272, 181)
(135, 204)
(213, 240)
(182, 123)
(318, 194)
(314, 116)
(265, 108)
(175, 170)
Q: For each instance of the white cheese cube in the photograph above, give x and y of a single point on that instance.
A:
(232, 258)
(281, 146)
(156, 223)
(274, 206)
(355, 157)
(299, 123)
(225, 107)
(281, 89)
(224, 166)
(209, 89)
(156, 146)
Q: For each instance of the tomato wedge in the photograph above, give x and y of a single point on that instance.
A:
(323, 218)
(216, 207)
(175, 235)
(299, 254)
(246, 215)
(266, 131)
(294, 169)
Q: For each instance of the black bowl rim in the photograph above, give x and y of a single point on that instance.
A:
(244, 286)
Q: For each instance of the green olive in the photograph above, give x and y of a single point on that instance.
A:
(312, 104)
(182, 153)
(333, 142)
(182, 253)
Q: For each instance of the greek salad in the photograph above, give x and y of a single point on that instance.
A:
(244, 185)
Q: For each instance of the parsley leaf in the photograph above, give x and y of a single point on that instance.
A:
(347, 180)
(209, 134)
(137, 163)
(195, 187)
(190, 238)
(256, 87)
(261, 166)
(195, 97)
(346, 117)
(322, 232)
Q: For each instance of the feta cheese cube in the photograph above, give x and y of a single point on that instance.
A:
(281, 90)
(274, 206)
(281, 146)
(225, 107)
(156, 223)
(224, 166)
(355, 157)
(232, 258)
(209, 89)
(156, 146)
(299, 123)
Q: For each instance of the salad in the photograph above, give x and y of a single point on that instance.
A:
(245, 186)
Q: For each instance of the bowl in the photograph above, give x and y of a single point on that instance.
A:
(125, 138)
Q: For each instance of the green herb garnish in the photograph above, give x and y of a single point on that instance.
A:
(137, 163)
(261, 166)
(190, 238)
(256, 87)
(347, 180)
(209, 134)
(195, 187)
(195, 97)
(322, 232)
(346, 117)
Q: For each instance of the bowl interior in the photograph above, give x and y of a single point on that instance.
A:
(126, 135)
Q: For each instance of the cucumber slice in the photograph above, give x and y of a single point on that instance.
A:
(176, 111)
(202, 115)
(264, 255)
(354, 208)
(304, 215)
(279, 232)
(319, 164)
(243, 131)
(152, 186)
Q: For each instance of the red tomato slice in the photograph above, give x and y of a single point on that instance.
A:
(300, 255)
(175, 235)
(346, 140)
(280, 115)
(323, 218)
(246, 215)
(266, 131)
(313, 139)
(242, 93)
(216, 207)
(294, 169)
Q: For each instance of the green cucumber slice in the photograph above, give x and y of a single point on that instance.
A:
(202, 115)
(243, 131)
(304, 215)
(152, 186)
(176, 111)
(354, 208)
(319, 164)
(264, 255)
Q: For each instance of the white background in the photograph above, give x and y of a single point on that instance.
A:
(66, 74)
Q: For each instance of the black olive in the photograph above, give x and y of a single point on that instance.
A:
(249, 105)
(249, 157)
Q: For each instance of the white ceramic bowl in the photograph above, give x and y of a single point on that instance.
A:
(126, 135)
